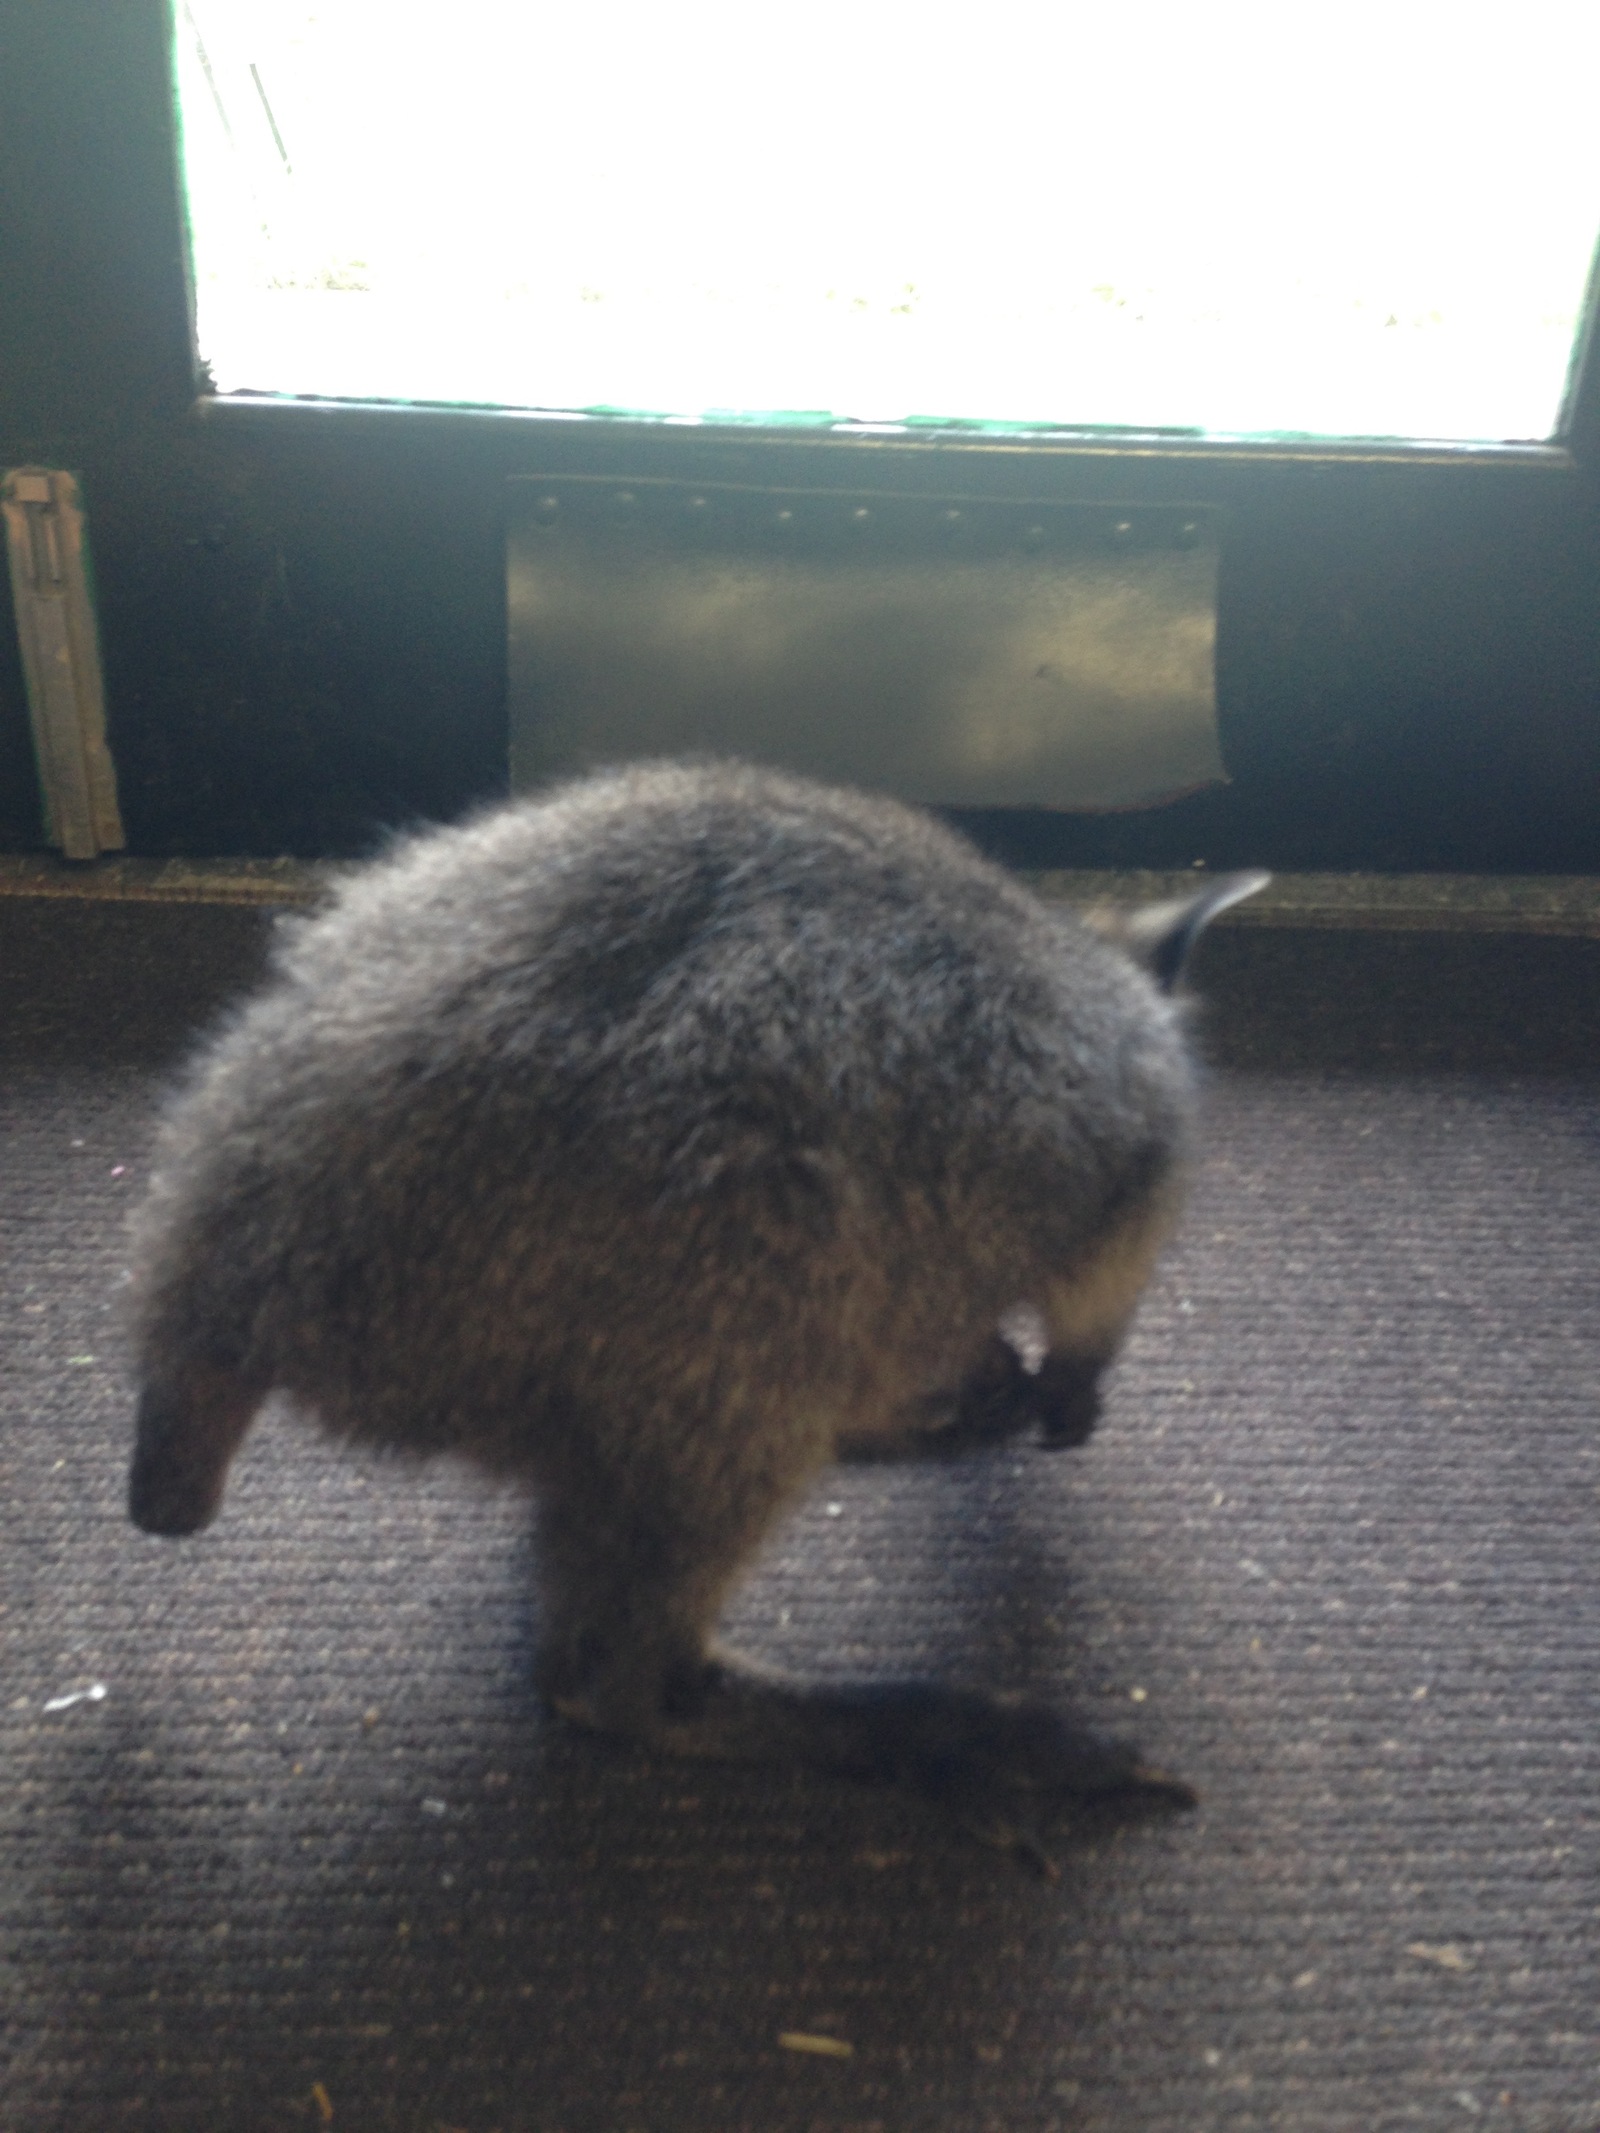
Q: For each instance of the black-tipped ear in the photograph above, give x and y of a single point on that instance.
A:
(1163, 935)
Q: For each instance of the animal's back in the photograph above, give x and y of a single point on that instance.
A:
(682, 1078)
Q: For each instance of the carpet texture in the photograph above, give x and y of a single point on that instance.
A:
(304, 1853)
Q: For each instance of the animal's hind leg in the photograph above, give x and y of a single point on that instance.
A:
(633, 1576)
(191, 1421)
(634, 1567)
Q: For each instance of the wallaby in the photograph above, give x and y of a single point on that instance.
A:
(657, 1141)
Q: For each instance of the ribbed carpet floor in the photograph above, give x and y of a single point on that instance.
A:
(307, 1855)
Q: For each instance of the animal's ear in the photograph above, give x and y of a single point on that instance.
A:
(1163, 935)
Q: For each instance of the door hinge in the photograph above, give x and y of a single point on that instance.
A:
(61, 660)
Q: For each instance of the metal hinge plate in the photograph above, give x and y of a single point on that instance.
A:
(61, 660)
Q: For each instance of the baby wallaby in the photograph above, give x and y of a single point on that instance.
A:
(657, 1141)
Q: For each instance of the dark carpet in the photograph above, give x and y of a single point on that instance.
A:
(307, 1855)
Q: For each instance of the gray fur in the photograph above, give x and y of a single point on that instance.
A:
(657, 1141)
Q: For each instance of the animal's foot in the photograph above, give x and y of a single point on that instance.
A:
(1008, 1768)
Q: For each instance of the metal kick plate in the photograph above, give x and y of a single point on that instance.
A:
(953, 651)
